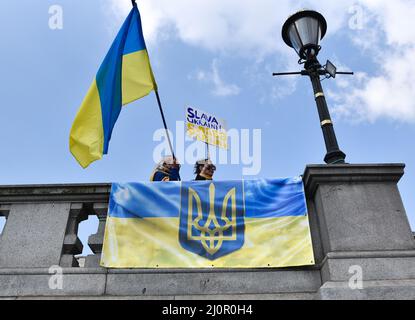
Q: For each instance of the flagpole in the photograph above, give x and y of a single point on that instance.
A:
(207, 151)
(164, 123)
(133, 2)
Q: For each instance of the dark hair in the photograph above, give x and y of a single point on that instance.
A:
(199, 165)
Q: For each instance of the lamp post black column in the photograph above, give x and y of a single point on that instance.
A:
(334, 154)
(303, 32)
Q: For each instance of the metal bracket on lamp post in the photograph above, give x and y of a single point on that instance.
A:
(314, 70)
(306, 73)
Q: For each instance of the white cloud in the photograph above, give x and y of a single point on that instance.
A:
(388, 38)
(251, 29)
(119, 9)
(389, 95)
(246, 26)
(220, 88)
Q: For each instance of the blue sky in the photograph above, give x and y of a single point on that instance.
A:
(218, 56)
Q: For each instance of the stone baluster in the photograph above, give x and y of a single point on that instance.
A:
(95, 241)
(72, 244)
(4, 212)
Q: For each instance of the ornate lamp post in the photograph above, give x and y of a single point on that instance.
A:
(303, 31)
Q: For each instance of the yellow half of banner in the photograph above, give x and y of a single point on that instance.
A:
(154, 243)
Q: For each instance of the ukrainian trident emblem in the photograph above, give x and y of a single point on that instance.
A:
(212, 218)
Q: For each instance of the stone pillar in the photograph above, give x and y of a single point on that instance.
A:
(360, 231)
(72, 245)
(95, 241)
(30, 229)
(4, 210)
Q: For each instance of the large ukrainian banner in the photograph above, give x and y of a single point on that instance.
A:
(205, 224)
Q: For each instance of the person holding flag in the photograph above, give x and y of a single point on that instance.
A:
(167, 170)
(124, 76)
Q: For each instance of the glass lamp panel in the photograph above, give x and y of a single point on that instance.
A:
(309, 30)
(319, 34)
(295, 40)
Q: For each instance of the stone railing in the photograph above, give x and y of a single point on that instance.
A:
(356, 217)
(42, 224)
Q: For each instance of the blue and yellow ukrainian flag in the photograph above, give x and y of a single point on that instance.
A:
(124, 76)
(205, 224)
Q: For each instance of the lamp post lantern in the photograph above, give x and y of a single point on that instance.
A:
(303, 32)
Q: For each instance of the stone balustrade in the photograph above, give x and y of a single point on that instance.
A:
(42, 224)
(357, 218)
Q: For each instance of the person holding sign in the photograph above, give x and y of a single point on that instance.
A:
(204, 169)
(167, 170)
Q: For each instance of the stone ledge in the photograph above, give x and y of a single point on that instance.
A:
(369, 254)
(210, 270)
(96, 282)
(222, 283)
(346, 173)
(288, 296)
(373, 269)
(278, 296)
(38, 285)
(45, 271)
(372, 290)
(100, 270)
(91, 192)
